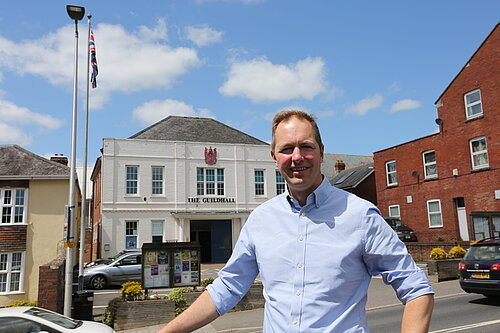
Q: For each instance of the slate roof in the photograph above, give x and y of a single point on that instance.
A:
(176, 128)
(16, 162)
(350, 178)
(328, 166)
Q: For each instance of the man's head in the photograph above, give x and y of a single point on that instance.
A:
(298, 152)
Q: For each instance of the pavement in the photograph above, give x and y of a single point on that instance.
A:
(379, 296)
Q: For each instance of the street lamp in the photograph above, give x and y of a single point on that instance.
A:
(76, 13)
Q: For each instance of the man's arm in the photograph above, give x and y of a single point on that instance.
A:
(200, 313)
(417, 314)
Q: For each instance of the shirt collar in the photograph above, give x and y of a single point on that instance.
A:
(317, 197)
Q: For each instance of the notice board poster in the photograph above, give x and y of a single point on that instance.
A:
(156, 269)
(186, 267)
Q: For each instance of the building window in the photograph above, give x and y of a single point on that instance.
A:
(131, 235)
(485, 225)
(157, 231)
(280, 183)
(394, 211)
(209, 181)
(473, 105)
(390, 169)
(434, 213)
(259, 182)
(157, 180)
(479, 153)
(430, 167)
(13, 204)
(11, 272)
(132, 179)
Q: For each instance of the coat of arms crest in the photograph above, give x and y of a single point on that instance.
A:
(210, 156)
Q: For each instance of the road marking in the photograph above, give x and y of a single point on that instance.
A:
(466, 327)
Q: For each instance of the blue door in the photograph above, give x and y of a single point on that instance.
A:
(221, 240)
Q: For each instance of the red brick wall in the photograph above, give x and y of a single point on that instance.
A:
(13, 238)
(452, 152)
(51, 286)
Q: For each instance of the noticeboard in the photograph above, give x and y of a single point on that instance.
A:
(168, 265)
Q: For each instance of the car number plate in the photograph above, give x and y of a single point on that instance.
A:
(480, 276)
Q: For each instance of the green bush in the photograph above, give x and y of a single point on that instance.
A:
(456, 252)
(21, 303)
(206, 282)
(109, 315)
(180, 302)
(131, 290)
(438, 253)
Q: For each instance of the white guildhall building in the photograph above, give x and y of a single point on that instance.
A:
(182, 179)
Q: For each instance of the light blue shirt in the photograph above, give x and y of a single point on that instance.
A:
(316, 262)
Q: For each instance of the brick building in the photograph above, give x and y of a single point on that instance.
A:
(446, 186)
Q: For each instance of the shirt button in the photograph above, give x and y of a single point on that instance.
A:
(299, 265)
(302, 214)
(301, 238)
(297, 293)
(294, 321)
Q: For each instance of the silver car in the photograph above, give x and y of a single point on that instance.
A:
(122, 269)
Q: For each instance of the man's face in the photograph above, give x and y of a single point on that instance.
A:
(298, 156)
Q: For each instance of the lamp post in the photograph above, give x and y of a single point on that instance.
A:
(76, 13)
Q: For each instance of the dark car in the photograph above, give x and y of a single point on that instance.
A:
(480, 268)
(125, 268)
(405, 233)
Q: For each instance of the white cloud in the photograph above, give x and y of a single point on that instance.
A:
(10, 134)
(203, 35)
(153, 111)
(128, 61)
(405, 104)
(365, 105)
(261, 81)
(11, 113)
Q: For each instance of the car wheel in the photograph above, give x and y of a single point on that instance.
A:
(98, 282)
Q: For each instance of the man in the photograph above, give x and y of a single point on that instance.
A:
(316, 248)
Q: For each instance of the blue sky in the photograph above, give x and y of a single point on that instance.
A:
(370, 70)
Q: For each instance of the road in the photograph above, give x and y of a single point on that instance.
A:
(454, 311)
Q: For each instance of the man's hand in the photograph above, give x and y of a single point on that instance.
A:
(417, 315)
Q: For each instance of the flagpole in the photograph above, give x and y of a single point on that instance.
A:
(83, 221)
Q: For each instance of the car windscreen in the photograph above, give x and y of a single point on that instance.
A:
(485, 252)
(54, 318)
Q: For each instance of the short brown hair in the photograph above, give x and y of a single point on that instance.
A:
(287, 114)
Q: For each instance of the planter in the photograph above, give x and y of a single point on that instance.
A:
(134, 314)
(445, 269)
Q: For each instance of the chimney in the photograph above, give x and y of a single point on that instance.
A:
(339, 166)
(60, 158)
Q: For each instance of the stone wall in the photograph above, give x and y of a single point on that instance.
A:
(446, 269)
(136, 314)
(51, 285)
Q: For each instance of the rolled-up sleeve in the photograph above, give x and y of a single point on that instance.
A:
(237, 276)
(386, 254)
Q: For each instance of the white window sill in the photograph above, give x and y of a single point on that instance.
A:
(12, 293)
(11, 224)
(435, 226)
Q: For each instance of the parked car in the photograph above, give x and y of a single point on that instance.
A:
(405, 233)
(31, 319)
(110, 259)
(480, 268)
(125, 268)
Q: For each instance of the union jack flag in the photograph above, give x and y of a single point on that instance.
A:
(93, 60)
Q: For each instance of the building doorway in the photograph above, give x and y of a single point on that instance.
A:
(215, 238)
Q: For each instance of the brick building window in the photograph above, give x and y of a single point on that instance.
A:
(473, 105)
(479, 153)
(209, 181)
(132, 178)
(280, 183)
(430, 167)
(390, 170)
(394, 211)
(11, 272)
(485, 225)
(13, 205)
(434, 213)
(131, 235)
(157, 180)
(259, 182)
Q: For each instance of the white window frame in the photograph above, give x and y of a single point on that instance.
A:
(7, 272)
(130, 233)
(13, 205)
(468, 106)
(162, 233)
(428, 164)
(474, 154)
(429, 213)
(157, 184)
(399, 211)
(132, 180)
(280, 183)
(204, 186)
(259, 184)
(389, 173)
